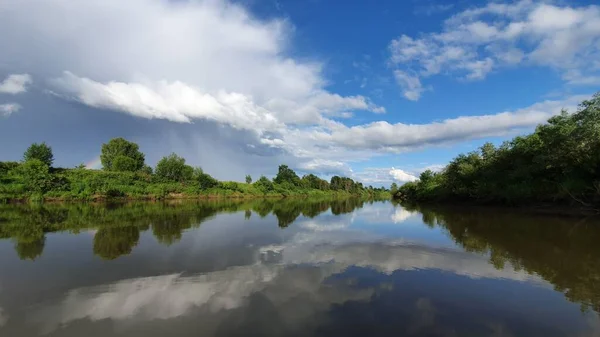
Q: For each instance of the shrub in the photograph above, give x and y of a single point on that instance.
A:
(173, 168)
(36, 175)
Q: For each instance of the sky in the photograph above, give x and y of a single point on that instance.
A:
(375, 90)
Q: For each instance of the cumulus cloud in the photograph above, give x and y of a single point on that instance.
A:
(15, 84)
(476, 41)
(9, 108)
(401, 175)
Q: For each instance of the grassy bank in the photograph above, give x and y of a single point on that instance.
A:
(80, 184)
(558, 164)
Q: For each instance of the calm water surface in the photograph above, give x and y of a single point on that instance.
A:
(295, 268)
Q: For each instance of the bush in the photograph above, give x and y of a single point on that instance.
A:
(36, 176)
(204, 180)
(264, 185)
(173, 168)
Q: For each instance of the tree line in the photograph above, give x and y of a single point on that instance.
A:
(125, 174)
(558, 163)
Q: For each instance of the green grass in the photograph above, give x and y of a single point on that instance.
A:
(87, 185)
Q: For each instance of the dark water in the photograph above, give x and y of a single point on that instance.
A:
(295, 268)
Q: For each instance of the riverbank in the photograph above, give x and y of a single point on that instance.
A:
(84, 185)
(209, 195)
(557, 166)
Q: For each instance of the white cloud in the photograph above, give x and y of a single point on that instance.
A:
(176, 61)
(325, 166)
(15, 84)
(476, 41)
(386, 137)
(411, 85)
(8, 109)
(402, 176)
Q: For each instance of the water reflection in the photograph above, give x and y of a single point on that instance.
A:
(339, 268)
(118, 225)
(562, 250)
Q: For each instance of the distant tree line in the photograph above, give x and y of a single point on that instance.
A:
(125, 174)
(558, 163)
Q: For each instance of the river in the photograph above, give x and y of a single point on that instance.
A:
(295, 268)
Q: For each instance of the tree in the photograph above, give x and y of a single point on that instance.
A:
(286, 174)
(204, 180)
(124, 164)
(146, 169)
(173, 168)
(394, 188)
(248, 179)
(121, 147)
(41, 152)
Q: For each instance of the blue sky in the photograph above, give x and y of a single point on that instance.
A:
(375, 90)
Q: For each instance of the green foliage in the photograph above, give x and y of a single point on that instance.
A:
(173, 168)
(120, 147)
(36, 175)
(146, 170)
(204, 180)
(264, 185)
(41, 152)
(394, 188)
(286, 175)
(314, 182)
(126, 176)
(124, 164)
(558, 162)
(7, 166)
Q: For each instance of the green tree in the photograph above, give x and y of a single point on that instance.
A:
(173, 168)
(36, 175)
(204, 180)
(117, 147)
(248, 179)
(41, 152)
(146, 169)
(124, 164)
(286, 174)
(394, 188)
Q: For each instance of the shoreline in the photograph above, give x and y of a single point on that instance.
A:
(181, 196)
